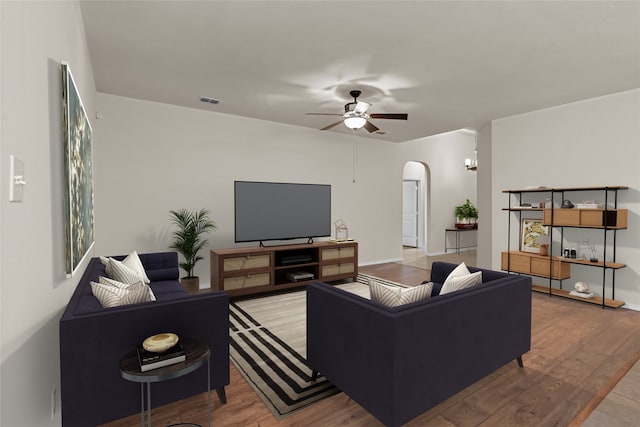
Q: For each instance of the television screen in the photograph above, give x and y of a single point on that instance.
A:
(281, 211)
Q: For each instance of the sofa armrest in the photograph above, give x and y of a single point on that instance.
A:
(91, 347)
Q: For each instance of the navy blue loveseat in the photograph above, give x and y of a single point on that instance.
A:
(399, 362)
(94, 339)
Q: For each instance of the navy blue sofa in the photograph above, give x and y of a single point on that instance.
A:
(399, 362)
(94, 339)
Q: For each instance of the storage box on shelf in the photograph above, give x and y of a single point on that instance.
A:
(535, 265)
(587, 216)
(245, 271)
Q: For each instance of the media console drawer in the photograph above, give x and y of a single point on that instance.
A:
(246, 262)
(247, 281)
(338, 253)
(337, 269)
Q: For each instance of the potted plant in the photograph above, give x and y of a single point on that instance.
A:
(188, 241)
(466, 214)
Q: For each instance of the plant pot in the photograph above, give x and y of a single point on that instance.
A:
(191, 284)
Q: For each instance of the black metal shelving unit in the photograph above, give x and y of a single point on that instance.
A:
(609, 226)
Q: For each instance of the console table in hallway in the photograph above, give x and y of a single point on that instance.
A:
(457, 247)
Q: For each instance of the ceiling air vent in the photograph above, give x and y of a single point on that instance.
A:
(209, 100)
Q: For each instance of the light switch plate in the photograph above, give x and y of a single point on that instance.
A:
(16, 179)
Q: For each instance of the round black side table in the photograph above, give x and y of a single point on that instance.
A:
(197, 354)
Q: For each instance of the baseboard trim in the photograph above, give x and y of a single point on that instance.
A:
(381, 261)
(631, 307)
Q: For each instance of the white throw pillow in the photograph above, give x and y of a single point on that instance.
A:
(133, 262)
(113, 296)
(459, 282)
(120, 285)
(117, 270)
(138, 292)
(460, 270)
(393, 296)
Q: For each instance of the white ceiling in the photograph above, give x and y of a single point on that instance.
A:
(448, 64)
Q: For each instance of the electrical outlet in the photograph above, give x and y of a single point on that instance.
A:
(53, 404)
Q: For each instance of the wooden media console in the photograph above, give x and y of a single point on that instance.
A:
(252, 270)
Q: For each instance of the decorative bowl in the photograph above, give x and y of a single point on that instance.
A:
(160, 342)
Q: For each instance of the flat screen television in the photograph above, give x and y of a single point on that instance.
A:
(281, 211)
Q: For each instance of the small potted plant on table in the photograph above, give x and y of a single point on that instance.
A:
(466, 215)
(187, 241)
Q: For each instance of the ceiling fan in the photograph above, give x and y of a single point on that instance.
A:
(355, 115)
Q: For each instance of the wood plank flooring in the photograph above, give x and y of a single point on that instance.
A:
(579, 353)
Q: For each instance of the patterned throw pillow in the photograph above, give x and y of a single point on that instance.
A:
(111, 282)
(393, 296)
(117, 270)
(137, 293)
(133, 262)
(111, 295)
(460, 278)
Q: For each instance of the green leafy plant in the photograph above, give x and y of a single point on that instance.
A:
(187, 240)
(466, 211)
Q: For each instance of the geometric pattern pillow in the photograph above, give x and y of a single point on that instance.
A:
(117, 270)
(109, 296)
(133, 262)
(460, 270)
(457, 283)
(137, 293)
(393, 296)
(112, 296)
(111, 282)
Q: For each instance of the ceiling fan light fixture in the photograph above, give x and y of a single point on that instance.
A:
(355, 122)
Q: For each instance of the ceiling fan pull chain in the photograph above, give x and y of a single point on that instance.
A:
(355, 158)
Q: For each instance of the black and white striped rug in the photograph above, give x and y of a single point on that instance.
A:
(268, 346)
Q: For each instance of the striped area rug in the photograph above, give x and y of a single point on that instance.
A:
(268, 346)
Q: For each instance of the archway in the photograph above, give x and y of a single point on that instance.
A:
(415, 188)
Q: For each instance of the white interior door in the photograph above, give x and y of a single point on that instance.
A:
(410, 213)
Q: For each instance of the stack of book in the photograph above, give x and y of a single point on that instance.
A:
(581, 294)
(149, 360)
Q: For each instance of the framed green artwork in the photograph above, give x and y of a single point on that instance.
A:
(78, 171)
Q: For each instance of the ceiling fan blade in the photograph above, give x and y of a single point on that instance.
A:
(322, 114)
(361, 107)
(370, 127)
(401, 116)
(331, 125)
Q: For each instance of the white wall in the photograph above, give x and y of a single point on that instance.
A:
(588, 143)
(158, 157)
(151, 157)
(35, 36)
(484, 188)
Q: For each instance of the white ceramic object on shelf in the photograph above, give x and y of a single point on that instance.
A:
(581, 287)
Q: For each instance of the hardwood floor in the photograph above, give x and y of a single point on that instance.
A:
(579, 353)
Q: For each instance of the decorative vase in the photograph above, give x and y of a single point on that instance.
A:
(544, 250)
(594, 255)
(191, 284)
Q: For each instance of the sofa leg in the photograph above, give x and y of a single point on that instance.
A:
(222, 395)
(314, 375)
(519, 360)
